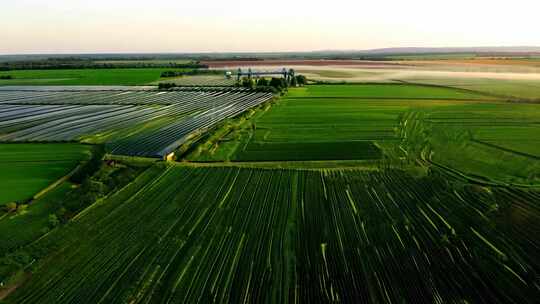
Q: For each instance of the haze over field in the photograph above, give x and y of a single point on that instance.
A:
(269, 151)
(62, 26)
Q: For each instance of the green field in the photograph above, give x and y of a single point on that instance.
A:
(384, 91)
(232, 235)
(505, 88)
(492, 141)
(331, 122)
(26, 169)
(474, 134)
(138, 76)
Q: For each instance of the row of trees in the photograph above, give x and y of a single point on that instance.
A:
(64, 64)
(275, 84)
(199, 70)
(278, 84)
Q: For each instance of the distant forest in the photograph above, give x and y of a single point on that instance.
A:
(192, 60)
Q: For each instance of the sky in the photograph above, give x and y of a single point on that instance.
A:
(137, 26)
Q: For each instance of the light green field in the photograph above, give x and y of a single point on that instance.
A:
(26, 169)
(512, 88)
(470, 133)
(138, 76)
(331, 122)
(515, 79)
(495, 141)
(381, 91)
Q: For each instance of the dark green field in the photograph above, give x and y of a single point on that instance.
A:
(119, 76)
(26, 169)
(232, 235)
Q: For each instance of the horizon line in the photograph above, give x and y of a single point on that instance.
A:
(410, 48)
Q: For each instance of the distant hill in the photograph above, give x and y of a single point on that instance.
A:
(435, 50)
(371, 54)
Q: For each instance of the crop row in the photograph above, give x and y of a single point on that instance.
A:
(294, 151)
(165, 140)
(67, 123)
(126, 97)
(231, 235)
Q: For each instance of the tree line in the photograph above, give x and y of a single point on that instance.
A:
(57, 64)
(192, 72)
(276, 83)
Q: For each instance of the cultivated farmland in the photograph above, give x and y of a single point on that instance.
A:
(475, 134)
(142, 123)
(188, 235)
(364, 193)
(385, 91)
(332, 122)
(492, 141)
(139, 76)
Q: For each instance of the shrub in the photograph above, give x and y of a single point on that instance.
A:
(166, 86)
(10, 207)
(278, 83)
(90, 167)
(21, 208)
(53, 220)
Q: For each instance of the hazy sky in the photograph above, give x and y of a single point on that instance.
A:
(61, 26)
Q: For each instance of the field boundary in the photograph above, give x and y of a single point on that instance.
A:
(493, 146)
(308, 165)
(56, 183)
(304, 165)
